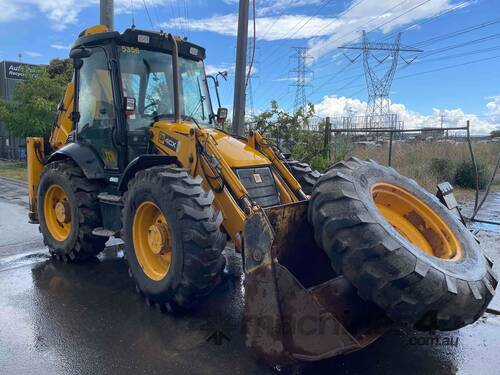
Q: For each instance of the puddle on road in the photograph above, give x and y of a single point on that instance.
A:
(25, 259)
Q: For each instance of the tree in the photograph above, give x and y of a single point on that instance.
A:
(32, 110)
(291, 133)
(495, 134)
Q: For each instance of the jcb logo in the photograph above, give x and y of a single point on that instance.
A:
(169, 141)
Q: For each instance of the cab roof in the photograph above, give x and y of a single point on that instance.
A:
(98, 35)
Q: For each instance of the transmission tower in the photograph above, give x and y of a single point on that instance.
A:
(301, 75)
(378, 112)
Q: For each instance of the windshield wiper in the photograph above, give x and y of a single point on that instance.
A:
(202, 99)
(191, 118)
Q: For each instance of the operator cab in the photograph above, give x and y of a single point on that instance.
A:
(124, 82)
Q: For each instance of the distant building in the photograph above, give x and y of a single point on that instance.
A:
(432, 132)
(11, 73)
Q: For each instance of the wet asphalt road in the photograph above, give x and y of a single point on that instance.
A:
(58, 318)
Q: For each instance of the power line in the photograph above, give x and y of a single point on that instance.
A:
(458, 32)
(132, 10)
(252, 59)
(444, 68)
(359, 29)
(460, 5)
(176, 24)
(439, 50)
(321, 7)
(384, 23)
(420, 23)
(186, 17)
(147, 12)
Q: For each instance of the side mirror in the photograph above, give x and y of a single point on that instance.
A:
(222, 115)
(129, 106)
(80, 53)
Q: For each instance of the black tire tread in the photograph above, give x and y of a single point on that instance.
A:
(375, 268)
(86, 245)
(203, 240)
(304, 174)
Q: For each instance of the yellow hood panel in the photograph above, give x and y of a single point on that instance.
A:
(237, 153)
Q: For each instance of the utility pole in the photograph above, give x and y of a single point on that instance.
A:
(107, 14)
(241, 70)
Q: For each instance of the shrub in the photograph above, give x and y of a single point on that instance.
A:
(442, 169)
(465, 175)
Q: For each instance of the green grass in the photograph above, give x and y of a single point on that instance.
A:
(13, 169)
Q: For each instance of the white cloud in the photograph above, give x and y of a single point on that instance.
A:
(381, 15)
(268, 28)
(325, 33)
(63, 13)
(12, 11)
(494, 108)
(271, 6)
(60, 46)
(32, 54)
(341, 106)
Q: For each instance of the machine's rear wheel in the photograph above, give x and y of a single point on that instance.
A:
(400, 247)
(172, 237)
(304, 174)
(69, 210)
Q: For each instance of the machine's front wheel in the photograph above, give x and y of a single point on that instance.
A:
(172, 237)
(400, 247)
(69, 210)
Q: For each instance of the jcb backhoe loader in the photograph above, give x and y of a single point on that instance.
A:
(331, 261)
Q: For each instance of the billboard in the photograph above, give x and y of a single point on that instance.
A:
(17, 70)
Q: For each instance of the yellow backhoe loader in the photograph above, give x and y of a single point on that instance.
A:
(330, 261)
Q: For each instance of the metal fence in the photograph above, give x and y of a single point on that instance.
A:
(12, 148)
(425, 154)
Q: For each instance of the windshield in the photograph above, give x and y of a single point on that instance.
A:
(147, 76)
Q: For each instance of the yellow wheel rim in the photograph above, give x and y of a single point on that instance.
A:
(416, 221)
(152, 240)
(57, 213)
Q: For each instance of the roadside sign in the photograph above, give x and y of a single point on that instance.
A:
(16, 70)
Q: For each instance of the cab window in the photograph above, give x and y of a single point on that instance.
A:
(96, 106)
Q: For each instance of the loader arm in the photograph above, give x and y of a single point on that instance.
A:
(214, 156)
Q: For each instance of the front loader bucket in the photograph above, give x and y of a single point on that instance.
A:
(297, 308)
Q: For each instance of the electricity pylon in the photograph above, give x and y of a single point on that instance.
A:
(301, 77)
(378, 112)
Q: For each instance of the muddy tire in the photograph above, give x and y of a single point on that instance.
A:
(304, 174)
(64, 185)
(195, 242)
(371, 237)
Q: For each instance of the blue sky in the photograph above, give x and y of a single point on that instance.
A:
(41, 30)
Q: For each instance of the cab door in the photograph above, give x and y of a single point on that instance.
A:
(97, 124)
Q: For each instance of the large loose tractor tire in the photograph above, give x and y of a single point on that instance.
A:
(304, 174)
(400, 247)
(172, 237)
(69, 211)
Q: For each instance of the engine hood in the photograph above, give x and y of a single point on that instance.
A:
(237, 153)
